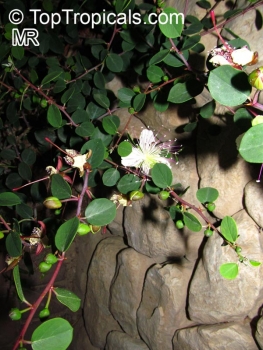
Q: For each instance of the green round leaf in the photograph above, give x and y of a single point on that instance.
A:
(114, 63)
(159, 57)
(110, 177)
(54, 334)
(24, 171)
(228, 229)
(191, 42)
(207, 194)
(66, 234)
(162, 175)
(182, 92)
(229, 86)
(251, 147)
(85, 129)
(254, 263)
(192, 222)
(110, 124)
(154, 74)
(8, 199)
(13, 244)
(18, 52)
(24, 211)
(102, 100)
(138, 102)
(99, 80)
(124, 148)
(129, 183)
(100, 212)
(174, 60)
(59, 187)
(208, 109)
(54, 116)
(51, 77)
(28, 156)
(125, 95)
(171, 22)
(229, 270)
(98, 151)
(67, 298)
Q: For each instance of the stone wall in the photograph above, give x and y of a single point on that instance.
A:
(148, 285)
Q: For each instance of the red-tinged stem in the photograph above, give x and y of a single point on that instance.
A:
(256, 105)
(213, 18)
(38, 302)
(222, 24)
(174, 48)
(50, 100)
(30, 183)
(5, 223)
(255, 98)
(197, 210)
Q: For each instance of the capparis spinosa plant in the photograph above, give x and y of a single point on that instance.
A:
(55, 104)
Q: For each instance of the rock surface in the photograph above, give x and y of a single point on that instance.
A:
(259, 332)
(151, 231)
(98, 319)
(126, 288)
(254, 201)
(162, 309)
(225, 336)
(121, 341)
(213, 299)
(220, 166)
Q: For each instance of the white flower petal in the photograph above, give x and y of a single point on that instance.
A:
(219, 60)
(134, 159)
(242, 56)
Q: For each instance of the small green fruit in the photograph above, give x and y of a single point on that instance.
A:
(255, 78)
(83, 229)
(51, 258)
(179, 224)
(163, 195)
(136, 195)
(208, 232)
(17, 95)
(36, 99)
(238, 249)
(136, 89)
(131, 110)
(44, 313)
(44, 267)
(165, 78)
(52, 203)
(57, 212)
(43, 103)
(15, 314)
(211, 206)
(2, 235)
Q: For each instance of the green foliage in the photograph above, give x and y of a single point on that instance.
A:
(54, 334)
(229, 270)
(66, 234)
(229, 86)
(251, 145)
(57, 100)
(100, 212)
(69, 299)
(207, 194)
(229, 229)
(162, 175)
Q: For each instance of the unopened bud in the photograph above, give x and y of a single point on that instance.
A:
(52, 203)
(255, 78)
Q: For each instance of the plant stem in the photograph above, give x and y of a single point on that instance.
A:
(37, 303)
(81, 196)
